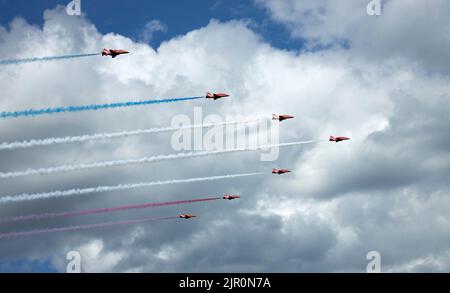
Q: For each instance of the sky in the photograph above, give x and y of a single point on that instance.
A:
(130, 18)
(381, 80)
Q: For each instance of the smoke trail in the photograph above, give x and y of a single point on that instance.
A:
(67, 168)
(79, 191)
(80, 227)
(37, 59)
(92, 107)
(99, 136)
(104, 210)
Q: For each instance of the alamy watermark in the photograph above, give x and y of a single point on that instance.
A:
(374, 8)
(74, 262)
(225, 135)
(374, 265)
(74, 8)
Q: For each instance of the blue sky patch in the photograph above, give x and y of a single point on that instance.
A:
(129, 18)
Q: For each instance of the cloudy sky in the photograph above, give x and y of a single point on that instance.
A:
(382, 80)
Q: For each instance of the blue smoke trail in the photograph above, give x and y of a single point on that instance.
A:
(92, 107)
(37, 59)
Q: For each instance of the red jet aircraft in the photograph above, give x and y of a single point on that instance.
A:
(281, 117)
(230, 197)
(216, 96)
(338, 138)
(186, 216)
(280, 171)
(113, 53)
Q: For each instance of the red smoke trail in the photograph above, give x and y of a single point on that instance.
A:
(103, 210)
(80, 227)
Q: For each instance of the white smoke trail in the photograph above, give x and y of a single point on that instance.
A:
(67, 168)
(100, 136)
(50, 58)
(81, 191)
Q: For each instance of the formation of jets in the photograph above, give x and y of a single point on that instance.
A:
(215, 96)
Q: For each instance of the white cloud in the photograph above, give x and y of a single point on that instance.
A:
(151, 28)
(323, 20)
(418, 31)
(95, 259)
